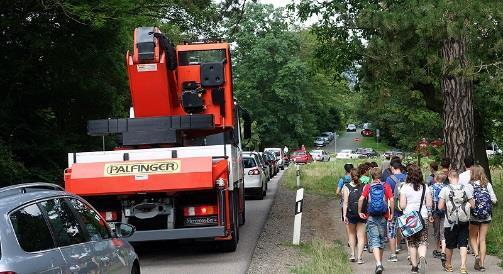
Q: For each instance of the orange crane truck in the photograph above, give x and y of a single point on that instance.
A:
(177, 173)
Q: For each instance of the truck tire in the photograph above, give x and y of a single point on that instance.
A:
(232, 244)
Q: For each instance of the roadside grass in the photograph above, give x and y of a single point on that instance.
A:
(323, 257)
(370, 142)
(318, 177)
(495, 235)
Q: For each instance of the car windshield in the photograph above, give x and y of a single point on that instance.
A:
(249, 162)
(346, 151)
(296, 153)
(315, 152)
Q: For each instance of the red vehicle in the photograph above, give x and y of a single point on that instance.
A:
(367, 132)
(301, 157)
(178, 171)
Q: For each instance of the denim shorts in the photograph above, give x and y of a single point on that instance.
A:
(376, 226)
(392, 227)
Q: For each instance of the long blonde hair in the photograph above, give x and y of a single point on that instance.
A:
(478, 174)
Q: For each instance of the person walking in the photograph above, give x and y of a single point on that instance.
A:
(481, 216)
(395, 181)
(416, 196)
(351, 193)
(380, 204)
(430, 180)
(338, 192)
(438, 216)
(465, 177)
(457, 200)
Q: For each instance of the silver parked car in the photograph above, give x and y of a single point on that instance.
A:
(44, 229)
(255, 181)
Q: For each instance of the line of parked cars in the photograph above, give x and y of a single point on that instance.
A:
(360, 153)
(260, 167)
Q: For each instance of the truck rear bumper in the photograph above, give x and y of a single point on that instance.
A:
(179, 233)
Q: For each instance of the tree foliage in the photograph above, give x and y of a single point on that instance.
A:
(290, 99)
(396, 47)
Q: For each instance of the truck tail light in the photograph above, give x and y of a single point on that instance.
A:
(254, 171)
(202, 210)
(109, 215)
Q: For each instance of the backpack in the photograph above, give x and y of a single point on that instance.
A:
(377, 205)
(396, 191)
(435, 193)
(483, 204)
(353, 197)
(458, 208)
(345, 180)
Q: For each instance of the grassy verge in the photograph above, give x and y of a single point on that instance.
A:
(370, 142)
(323, 257)
(495, 236)
(318, 177)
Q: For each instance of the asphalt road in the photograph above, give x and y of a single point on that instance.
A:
(344, 141)
(200, 257)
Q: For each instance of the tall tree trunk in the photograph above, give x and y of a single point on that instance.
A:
(457, 90)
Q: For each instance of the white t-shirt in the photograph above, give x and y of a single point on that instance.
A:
(444, 194)
(414, 199)
(465, 177)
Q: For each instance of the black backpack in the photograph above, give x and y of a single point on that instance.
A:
(353, 197)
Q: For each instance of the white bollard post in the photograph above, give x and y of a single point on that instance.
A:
(297, 166)
(299, 202)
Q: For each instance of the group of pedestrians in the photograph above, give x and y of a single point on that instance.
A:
(391, 202)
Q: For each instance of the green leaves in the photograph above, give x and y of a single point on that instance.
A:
(277, 80)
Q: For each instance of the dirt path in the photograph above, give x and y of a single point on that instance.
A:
(274, 253)
(401, 267)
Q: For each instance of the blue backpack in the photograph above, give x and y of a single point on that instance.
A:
(435, 191)
(377, 205)
(483, 204)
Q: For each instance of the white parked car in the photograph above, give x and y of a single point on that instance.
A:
(255, 178)
(351, 127)
(279, 155)
(347, 154)
(320, 155)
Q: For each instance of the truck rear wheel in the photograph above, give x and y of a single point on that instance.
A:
(232, 244)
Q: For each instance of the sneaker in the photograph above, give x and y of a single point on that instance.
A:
(379, 269)
(408, 259)
(414, 270)
(463, 270)
(482, 269)
(397, 250)
(436, 254)
(442, 259)
(476, 266)
(365, 247)
(360, 261)
(422, 265)
(393, 258)
(352, 259)
(448, 268)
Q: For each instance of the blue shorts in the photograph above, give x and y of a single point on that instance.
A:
(375, 228)
(392, 228)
